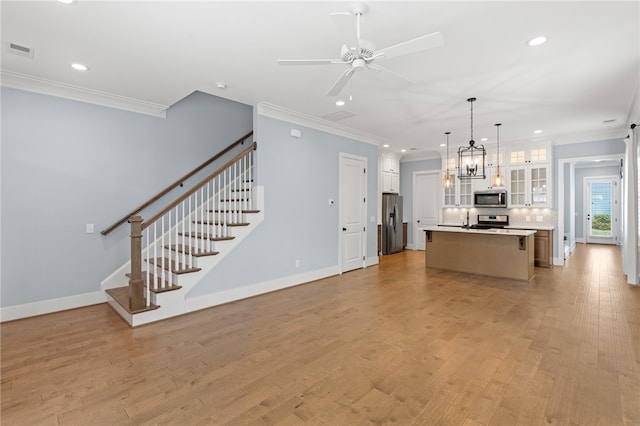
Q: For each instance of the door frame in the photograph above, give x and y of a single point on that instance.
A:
(615, 209)
(558, 238)
(363, 241)
(414, 215)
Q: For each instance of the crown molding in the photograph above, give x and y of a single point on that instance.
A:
(593, 136)
(54, 88)
(280, 113)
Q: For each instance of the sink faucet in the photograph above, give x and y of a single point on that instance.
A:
(466, 225)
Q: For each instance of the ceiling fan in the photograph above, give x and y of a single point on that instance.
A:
(360, 54)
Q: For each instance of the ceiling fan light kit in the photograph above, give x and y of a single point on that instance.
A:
(472, 158)
(360, 54)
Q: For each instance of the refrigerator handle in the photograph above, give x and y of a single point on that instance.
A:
(394, 218)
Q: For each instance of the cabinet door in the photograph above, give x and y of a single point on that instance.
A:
(466, 192)
(390, 164)
(538, 184)
(390, 182)
(449, 195)
(517, 187)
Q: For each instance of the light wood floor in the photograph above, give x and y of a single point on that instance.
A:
(393, 343)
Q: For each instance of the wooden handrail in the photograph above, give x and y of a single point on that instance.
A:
(174, 185)
(197, 186)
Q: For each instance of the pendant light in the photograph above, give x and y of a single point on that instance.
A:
(497, 179)
(448, 178)
(471, 159)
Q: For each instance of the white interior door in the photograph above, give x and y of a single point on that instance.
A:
(427, 200)
(601, 210)
(353, 211)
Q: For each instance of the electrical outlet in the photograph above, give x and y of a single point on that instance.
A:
(527, 218)
(539, 218)
(297, 263)
(88, 228)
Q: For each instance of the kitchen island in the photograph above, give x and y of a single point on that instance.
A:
(504, 253)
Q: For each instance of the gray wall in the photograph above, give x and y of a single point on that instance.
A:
(299, 175)
(66, 164)
(407, 168)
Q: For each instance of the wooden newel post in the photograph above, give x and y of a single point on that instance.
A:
(136, 285)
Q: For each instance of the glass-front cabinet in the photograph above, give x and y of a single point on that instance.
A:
(528, 186)
(460, 194)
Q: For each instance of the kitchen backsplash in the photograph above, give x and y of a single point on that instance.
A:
(517, 217)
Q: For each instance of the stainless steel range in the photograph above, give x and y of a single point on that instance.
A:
(488, 221)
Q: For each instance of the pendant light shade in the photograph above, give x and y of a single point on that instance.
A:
(497, 179)
(472, 158)
(447, 181)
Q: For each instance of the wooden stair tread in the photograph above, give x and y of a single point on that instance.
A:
(121, 295)
(235, 211)
(158, 280)
(209, 236)
(193, 250)
(208, 222)
(174, 266)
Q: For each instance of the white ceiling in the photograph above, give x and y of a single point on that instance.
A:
(159, 52)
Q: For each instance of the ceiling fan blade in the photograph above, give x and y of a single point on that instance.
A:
(409, 47)
(342, 81)
(309, 61)
(399, 80)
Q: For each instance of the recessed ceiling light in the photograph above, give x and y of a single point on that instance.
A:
(340, 103)
(443, 144)
(67, 1)
(483, 139)
(536, 41)
(403, 150)
(221, 85)
(386, 145)
(537, 132)
(79, 67)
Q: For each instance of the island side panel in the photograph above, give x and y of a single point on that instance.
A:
(496, 255)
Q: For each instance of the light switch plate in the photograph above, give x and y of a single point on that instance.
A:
(527, 218)
(539, 218)
(88, 228)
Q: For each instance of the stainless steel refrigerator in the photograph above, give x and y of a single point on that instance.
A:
(391, 223)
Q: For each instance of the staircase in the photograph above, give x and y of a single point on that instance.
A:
(177, 247)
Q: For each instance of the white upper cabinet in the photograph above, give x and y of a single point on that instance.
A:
(535, 154)
(390, 174)
(390, 164)
(529, 185)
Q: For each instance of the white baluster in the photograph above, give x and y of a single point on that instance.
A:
(148, 274)
(162, 262)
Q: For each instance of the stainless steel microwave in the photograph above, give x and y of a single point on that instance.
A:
(490, 198)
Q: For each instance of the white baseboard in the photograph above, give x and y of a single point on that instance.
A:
(371, 261)
(225, 296)
(10, 313)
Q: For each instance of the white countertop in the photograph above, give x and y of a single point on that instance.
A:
(535, 227)
(494, 231)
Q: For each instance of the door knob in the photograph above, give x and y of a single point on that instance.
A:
(344, 229)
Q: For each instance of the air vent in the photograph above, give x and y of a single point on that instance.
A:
(338, 115)
(20, 50)
(610, 121)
